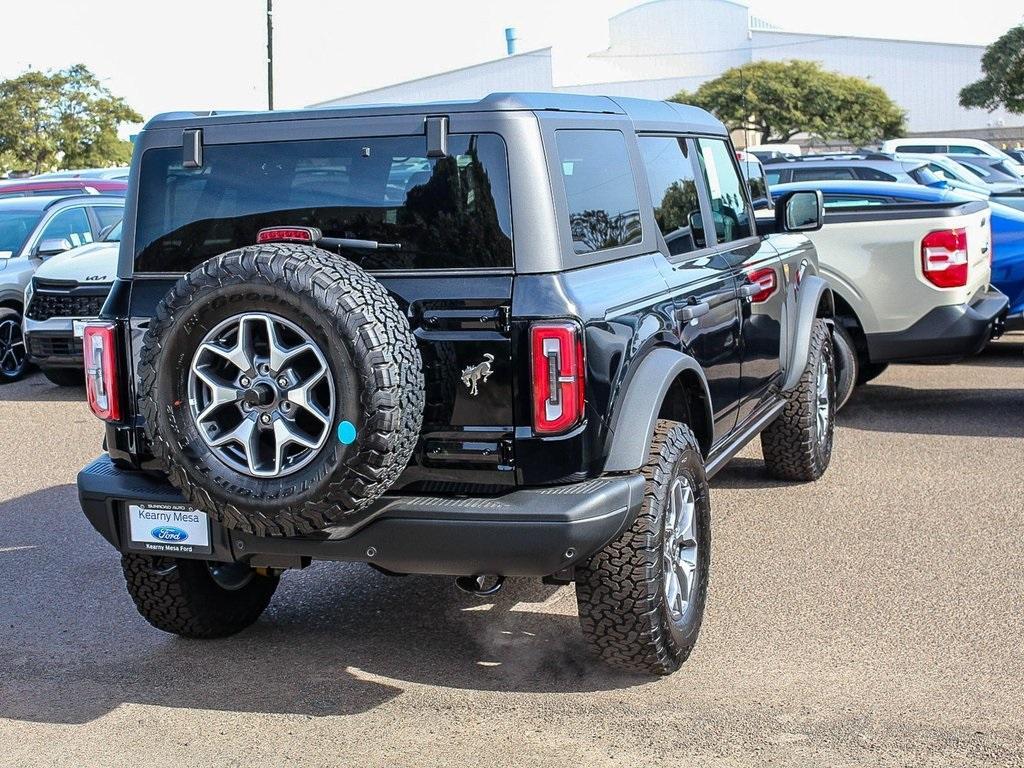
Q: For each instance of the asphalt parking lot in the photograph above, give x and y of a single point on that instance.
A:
(873, 618)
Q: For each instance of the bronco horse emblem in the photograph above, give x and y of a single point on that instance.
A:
(476, 374)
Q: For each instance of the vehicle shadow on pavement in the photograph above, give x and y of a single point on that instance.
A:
(337, 639)
(953, 412)
(1007, 352)
(36, 388)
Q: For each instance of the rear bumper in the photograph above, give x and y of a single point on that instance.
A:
(531, 532)
(945, 333)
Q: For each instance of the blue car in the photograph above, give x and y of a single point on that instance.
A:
(1007, 223)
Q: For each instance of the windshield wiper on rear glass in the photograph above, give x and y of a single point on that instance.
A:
(361, 245)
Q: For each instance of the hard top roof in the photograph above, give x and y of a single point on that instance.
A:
(641, 111)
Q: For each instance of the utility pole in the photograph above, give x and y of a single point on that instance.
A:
(270, 54)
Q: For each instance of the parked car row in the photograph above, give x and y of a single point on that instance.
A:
(58, 256)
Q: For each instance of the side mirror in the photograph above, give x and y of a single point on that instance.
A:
(53, 246)
(801, 211)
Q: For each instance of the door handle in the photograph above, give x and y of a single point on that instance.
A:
(689, 312)
(747, 290)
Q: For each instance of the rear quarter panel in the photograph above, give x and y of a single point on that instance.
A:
(874, 264)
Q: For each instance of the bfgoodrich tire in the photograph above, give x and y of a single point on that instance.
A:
(282, 389)
(193, 598)
(798, 444)
(641, 599)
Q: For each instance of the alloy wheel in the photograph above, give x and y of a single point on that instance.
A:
(679, 559)
(261, 394)
(13, 354)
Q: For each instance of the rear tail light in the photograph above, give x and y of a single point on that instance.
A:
(101, 383)
(558, 376)
(767, 283)
(944, 258)
(288, 235)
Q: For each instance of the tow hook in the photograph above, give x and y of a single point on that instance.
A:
(482, 585)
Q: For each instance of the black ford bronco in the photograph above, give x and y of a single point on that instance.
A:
(485, 339)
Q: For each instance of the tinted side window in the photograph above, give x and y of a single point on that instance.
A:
(820, 174)
(728, 203)
(673, 192)
(600, 191)
(449, 212)
(873, 174)
(961, 149)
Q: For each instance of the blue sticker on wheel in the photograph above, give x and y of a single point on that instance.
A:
(346, 433)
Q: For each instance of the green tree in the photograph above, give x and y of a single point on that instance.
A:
(1003, 81)
(779, 99)
(62, 119)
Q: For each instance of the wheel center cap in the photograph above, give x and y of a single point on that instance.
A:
(260, 395)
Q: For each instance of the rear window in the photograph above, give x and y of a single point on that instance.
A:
(443, 213)
(821, 174)
(600, 191)
(923, 149)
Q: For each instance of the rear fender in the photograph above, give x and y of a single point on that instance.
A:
(662, 374)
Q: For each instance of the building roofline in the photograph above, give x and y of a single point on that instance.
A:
(740, 3)
(825, 37)
(330, 102)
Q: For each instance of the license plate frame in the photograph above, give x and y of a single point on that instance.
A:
(166, 529)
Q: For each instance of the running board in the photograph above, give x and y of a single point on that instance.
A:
(720, 459)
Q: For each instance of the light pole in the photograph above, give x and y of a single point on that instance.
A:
(270, 54)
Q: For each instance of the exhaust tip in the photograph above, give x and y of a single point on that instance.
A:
(483, 585)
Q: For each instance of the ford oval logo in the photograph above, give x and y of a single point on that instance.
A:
(168, 533)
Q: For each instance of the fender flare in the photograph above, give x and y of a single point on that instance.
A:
(812, 289)
(631, 433)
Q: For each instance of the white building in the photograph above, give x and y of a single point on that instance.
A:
(653, 52)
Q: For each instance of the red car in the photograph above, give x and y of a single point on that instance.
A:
(22, 187)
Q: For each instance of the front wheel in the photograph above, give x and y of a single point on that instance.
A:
(13, 354)
(195, 598)
(641, 598)
(798, 444)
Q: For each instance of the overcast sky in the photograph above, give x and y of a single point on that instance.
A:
(203, 54)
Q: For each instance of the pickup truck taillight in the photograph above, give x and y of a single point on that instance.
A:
(101, 384)
(558, 376)
(944, 258)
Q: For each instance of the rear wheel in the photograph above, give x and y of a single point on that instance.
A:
(13, 353)
(65, 377)
(195, 598)
(641, 598)
(847, 364)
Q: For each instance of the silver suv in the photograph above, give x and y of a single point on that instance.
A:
(32, 229)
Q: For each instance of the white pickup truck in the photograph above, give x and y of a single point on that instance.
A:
(910, 276)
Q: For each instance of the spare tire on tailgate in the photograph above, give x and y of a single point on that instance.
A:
(282, 388)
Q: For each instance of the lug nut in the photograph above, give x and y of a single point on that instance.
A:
(245, 381)
(282, 382)
(264, 369)
(265, 418)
